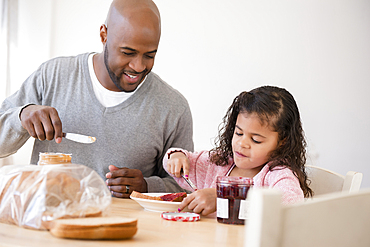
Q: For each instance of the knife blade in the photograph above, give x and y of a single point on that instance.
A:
(190, 183)
(79, 138)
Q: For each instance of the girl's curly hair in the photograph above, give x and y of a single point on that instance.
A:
(276, 107)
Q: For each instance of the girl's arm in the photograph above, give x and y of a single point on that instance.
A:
(285, 181)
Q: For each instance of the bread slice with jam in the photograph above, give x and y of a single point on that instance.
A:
(171, 197)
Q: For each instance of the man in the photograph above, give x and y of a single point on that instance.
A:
(113, 96)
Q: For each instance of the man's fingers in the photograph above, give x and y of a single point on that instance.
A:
(112, 168)
(119, 195)
(118, 188)
(29, 127)
(124, 172)
(123, 191)
(39, 129)
(56, 123)
(119, 178)
(44, 117)
(42, 122)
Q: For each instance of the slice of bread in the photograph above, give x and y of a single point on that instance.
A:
(142, 196)
(87, 212)
(174, 197)
(27, 189)
(171, 197)
(94, 228)
(96, 233)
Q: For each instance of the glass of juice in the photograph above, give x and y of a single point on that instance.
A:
(231, 194)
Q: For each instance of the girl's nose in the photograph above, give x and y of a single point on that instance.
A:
(244, 143)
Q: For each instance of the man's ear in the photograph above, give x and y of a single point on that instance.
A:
(103, 34)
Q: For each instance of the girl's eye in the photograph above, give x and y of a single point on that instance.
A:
(255, 141)
(238, 134)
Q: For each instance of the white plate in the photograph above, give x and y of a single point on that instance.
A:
(158, 206)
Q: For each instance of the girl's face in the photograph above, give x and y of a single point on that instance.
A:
(252, 142)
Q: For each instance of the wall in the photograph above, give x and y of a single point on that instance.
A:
(211, 50)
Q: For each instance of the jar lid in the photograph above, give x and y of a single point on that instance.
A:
(234, 180)
(182, 216)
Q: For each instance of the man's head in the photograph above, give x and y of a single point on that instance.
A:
(130, 37)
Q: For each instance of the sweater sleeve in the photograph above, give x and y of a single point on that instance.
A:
(12, 134)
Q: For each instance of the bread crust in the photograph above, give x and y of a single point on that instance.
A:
(95, 228)
(142, 196)
(96, 233)
(93, 222)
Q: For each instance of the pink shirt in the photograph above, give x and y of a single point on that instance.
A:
(203, 174)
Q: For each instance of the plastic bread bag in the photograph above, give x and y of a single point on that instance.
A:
(32, 196)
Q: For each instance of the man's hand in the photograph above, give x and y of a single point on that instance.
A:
(42, 122)
(202, 201)
(122, 181)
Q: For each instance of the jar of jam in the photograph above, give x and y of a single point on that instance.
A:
(231, 194)
(54, 158)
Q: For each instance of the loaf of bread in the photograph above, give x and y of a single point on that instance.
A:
(32, 196)
(94, 228)
(171, 197)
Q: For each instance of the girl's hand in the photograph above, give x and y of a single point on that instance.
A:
(177, 161)
(202, 201)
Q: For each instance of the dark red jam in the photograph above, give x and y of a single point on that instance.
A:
(174, 197)
(230, 193)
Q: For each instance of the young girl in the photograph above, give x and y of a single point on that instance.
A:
(261, 138)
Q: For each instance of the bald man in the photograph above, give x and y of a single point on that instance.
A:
(113, 95)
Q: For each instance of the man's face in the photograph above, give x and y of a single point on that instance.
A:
(129, 53)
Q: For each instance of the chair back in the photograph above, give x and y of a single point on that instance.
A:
(336, 220)
(324, 181)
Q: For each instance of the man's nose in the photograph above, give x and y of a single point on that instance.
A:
(137, 64)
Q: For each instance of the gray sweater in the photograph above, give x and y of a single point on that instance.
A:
(134, 134)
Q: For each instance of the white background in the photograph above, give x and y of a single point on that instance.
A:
(211, 50)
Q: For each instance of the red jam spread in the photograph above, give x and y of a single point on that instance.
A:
(231, 194)
(174, 197)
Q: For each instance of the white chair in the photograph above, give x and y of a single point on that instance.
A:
(324, 181)
(336, 220)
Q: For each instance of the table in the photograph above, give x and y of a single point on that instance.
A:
(152, 231)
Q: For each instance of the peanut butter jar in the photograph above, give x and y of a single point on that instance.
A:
(54, 158)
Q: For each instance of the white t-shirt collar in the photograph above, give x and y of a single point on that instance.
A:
(106, 97)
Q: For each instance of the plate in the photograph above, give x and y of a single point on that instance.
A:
(158, 206)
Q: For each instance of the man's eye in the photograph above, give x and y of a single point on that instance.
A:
(128, 53)
(149, 56)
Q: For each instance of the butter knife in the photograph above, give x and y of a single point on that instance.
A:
(190, 183)
(79, 138)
